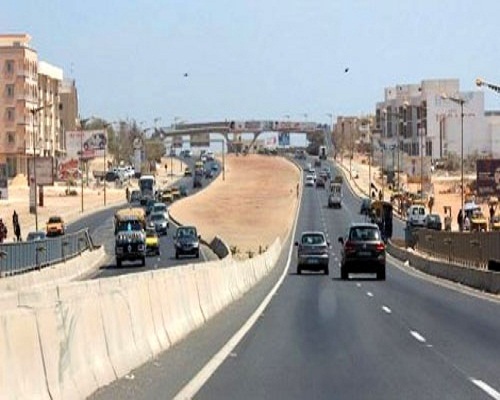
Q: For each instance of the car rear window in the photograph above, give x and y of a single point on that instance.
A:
(313, 239)
(364, 233)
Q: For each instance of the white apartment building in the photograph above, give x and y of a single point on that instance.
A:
(493, 123)
(49, 134)
(419, 116)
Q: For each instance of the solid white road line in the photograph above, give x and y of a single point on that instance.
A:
(386, 309)
(486, 388)
(418, 336)
(195, 384)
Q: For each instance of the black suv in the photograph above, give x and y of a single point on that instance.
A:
(313, 252)
(363, 251)
(187, 242)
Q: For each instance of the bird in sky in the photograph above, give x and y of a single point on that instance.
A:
(346, 70)
(185, 75)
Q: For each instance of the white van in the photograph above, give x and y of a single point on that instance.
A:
(415, 216)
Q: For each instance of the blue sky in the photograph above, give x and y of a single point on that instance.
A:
(256, 59)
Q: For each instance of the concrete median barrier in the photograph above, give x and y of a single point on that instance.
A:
(68, 340)
(488, 281)
(22, 373)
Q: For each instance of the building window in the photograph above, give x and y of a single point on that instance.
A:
(10, 90)
(11, 137)
(9, 66)
(10, 114)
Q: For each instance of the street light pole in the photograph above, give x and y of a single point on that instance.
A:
(461, 102)
(34, 112)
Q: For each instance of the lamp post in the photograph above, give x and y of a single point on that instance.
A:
(34, 112)
(82, 126)
(398, 117)
(331, 129)
(460, 101)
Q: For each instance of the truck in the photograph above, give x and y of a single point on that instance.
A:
(335, 196)
(322, 152)
(147, 185)
(130, 236)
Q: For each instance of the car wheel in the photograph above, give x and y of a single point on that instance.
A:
(143, 261)
(197, 255)
(158, 252)
(327, 271)
(299, 270)
(381, 275)
(176, 255)
(344, 275)
(118, 263)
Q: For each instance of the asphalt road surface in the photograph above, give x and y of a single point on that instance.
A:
(100, 225)
(321, 337)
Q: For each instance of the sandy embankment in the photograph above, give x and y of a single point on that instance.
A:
(255, 204)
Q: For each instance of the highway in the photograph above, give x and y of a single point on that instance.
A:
(100, 225)
(321, 337)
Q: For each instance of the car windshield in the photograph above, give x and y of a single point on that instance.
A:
(157, 217)
(313, 239)
(54, 220)
(186, 232)
(364, 234)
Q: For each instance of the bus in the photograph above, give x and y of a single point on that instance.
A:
(147, 185)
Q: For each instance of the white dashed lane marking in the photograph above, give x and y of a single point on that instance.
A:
(386, 309)
(358, 284)
(486, 388)
(418, 336)
(369, 294)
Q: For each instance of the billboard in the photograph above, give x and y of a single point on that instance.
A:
(294, 126)
(283, 139)
(44, 170)
(4, 182)
(200, 140)
(488, 177)
(87, 144)
(415, 166)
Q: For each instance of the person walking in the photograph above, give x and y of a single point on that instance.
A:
(17, 231)
(127, 194)
(460, 220)
(3, 231)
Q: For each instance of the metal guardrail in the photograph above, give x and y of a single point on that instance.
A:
(472, 249)
(19, 257)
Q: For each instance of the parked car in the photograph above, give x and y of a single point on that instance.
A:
(363, 251)
(433, 221)
(55, 226)
(313, 252)
(35, 236)
(187, 242)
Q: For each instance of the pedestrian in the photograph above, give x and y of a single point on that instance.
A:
(127, 194)
(15, 218)
(431, 204)
(492, 212)
(17, 231)
(380, 195)
(3, 231)
(460, 220)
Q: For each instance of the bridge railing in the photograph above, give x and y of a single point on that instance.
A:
(19, 257)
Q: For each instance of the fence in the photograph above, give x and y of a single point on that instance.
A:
(19, 257)
(473, 249)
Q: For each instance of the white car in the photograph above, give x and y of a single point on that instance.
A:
(309, 180)
(415, 216)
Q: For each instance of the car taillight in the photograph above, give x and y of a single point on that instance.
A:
(380, 246)
(349, 247)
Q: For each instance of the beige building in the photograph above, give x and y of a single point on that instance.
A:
(30, 104)
(19, 94)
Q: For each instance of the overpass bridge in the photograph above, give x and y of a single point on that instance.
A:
(232, 130)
